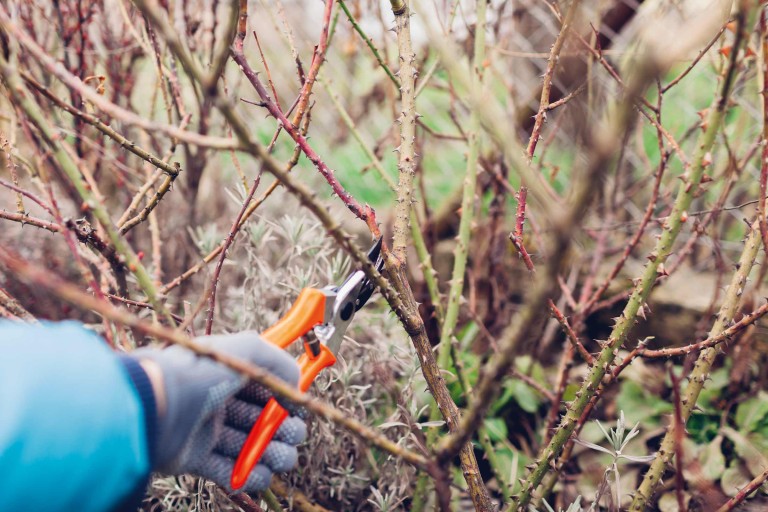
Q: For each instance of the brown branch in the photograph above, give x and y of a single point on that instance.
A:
(5, 145)
(764, 160)
(297, 499)
(678, 427)
(37, 276)
(723, 337)
(572, 338)
(42, 204)
(12, 306)
(696, 60)
(317, 61)
(406, 118)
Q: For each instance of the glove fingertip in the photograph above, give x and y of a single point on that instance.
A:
(280, 457)
(293, 431)
(259, 479)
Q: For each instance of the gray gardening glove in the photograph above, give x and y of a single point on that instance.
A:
(210, 410)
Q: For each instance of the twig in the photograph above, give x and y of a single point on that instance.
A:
(516, 237)
(271, 500)
(5, 144)
(266, 68)
(299, 501)
(14, 308)
(227, 242)
(751, 487)
(88, 93)
(364, 213)
(554, 58)
(317, 60)
(696, 60)
(24, 100)
(763, 63)
(169, 169)
(712, 341)
(677, 422)
(572, 338)
(565, 99)
(42, 204)
(245, 502)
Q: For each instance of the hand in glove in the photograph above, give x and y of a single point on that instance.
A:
(208, 409)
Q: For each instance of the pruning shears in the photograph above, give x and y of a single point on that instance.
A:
(320, 317)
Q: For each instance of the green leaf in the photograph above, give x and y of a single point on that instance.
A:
(638, 405)
(503, 400)
(703, 428)
(512, 464)
(712, 392)
(521, 393)
(750, 414)
(570, 392)
(497, 429)
(526, 398)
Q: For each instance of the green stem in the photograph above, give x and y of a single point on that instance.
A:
(271, 500)
(468, 199)
(370, 44)
(701, 370)
(642, 289)
(347, 119)
(450, 318)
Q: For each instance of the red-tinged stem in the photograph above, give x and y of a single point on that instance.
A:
(517, 236)
(746, 491)
(364, 213)
(230, 238)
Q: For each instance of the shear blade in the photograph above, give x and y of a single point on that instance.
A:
(374, 255)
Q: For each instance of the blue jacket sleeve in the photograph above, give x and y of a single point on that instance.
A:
(75, 421)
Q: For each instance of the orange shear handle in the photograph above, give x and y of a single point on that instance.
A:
(307, 312)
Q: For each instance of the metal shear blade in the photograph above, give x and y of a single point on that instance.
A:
(350, 297)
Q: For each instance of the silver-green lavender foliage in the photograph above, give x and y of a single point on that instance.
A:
(373, 381)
